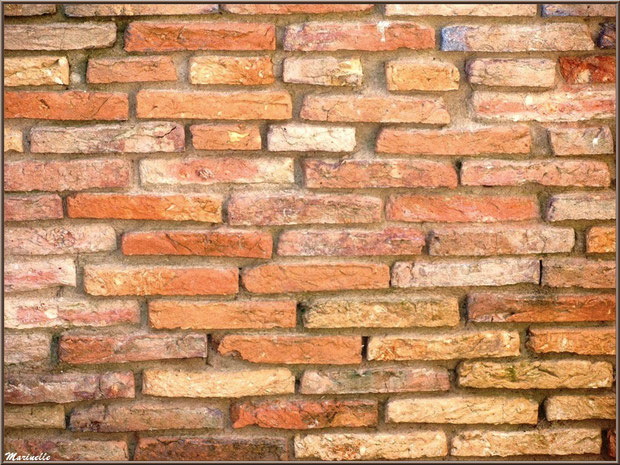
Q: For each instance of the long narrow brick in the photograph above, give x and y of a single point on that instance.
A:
(29, 9)
(294, 8)
(59, 36)
(582, 341)
(471, 9)
(588, 70)
(226, 136)
(581, 141)
(422, 75)
(64, 239)
(600, 239)
(21, 276)
(580, 407)
(133, 69)
(579, 9)
(38, 416)
(512, 72)
(27, 350)
(329, 71)
(297, 137)
(32, 207)
(129, 9)
(36, 71)
(579, 272)
(582, 206)
(231, 70)
(62, 448)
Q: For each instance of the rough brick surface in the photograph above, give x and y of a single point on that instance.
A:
(594, 341)
(575, 407)
(226, 136)
(36, 71)
(59, 36)
(245, 71)
(511, 72)
(601, 239)
(328, 71)
(32, 207)
(149, 69)
(581, 141)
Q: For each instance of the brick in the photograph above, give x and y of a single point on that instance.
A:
(500, 240)
(63, 448)
(21, 276)
(581, 141)
(611, 443)
(251, 314)
(580, 407)
(372, 173)
(177, 36)
(577, 9)
(76, 348)
(27, 350)
(67, 387)
(220, 170)
(424, 75)
(363, 36)
(482, 272)
(272, 105)
(217, 383)
(371, 109)
(588, 70)
(273, 279)
(351, 242)
(299, 137)
(234, 71)
(560, 441)
(536, 374)
(145, 415)
(540, 308)
(516, 38)
(395, 9)
(22, 313)
(305, 414)
(13, 140)
(36, 71)
(159, 280)
(73, 105)
(607, 36)
(466, 141)
(570, 104)
(329, 71)
(69, 239)
(293, 349)
(211, 448)
(128, 9)
(294, 8)
(226, 136)
(217, 243)
(511, 72)
(444, 346)
(32, 207)
(29, 9)
(372, 446)
(579, 272)
(375, 380)
(582, 206)
(300, 208)
(38, 416)
(173, 207)
(463, 409)
(582, 341)
(59, 36)
(133, 69)
(601, 239)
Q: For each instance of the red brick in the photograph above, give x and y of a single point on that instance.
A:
(294, 8)
(470, 9)
(601, 239)
(27, 350)
(59, 36)
(133, 9)
(595, 140)
(133, 69)
(611, 443)
(71, 449)
(170, 37)
(607, 36)
(582, 341)
(300, 137)
(204, 208)
(32, 207)
(61, 239)
(73, 105)
(235, 71)
(588, 70)
(579, 9)
(218, 243)
(21, 276)
(226, 136)
(512, 72)
(579, 272)
(582, 206)
(424, 75)
(29, 9)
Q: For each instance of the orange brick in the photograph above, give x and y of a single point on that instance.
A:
(226, 137)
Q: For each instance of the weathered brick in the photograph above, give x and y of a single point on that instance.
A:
(72, 105)
(359, 242)
(132, 69)
(29, 9)
(578, 9)
(129, 9)
(580, 407)
(64, 239)
(373, 173)
(471, 9)
(173, 207)
(244, 71)
(582, 206)
(226, 136)
(305, 414)
(482, 272)
(516, 38)
(159, 280)
(273, 105)
(36, 71)
(13, 140)
(67, 387)
(511, 72)
(601, 239)
(299, 137)
(425, 75)
(581, 141)
(611, 442)
(271, 279)
(582, 341)
(28, 350)
(588, 70)
(372, 446)
(32, 207)
(329, 71)
(250, 314)
(467, 141)
(59, 36)
(560, 441)
(217, 383)
(463, 409)
(76, 348)
(540, 308)
(170, 37)
(20, 276)
(607, 36)
(38, 416)
(145, 415)
(294, 8)
(216, 243)
(374, 109)
(579, 272)
(207, 171)
(71, 449)
(536, 374)
(300, 208)
(365, 36)
(375, 380)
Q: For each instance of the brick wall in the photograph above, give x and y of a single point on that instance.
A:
(279, 232)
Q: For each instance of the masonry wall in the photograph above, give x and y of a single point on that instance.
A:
(335, 232)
